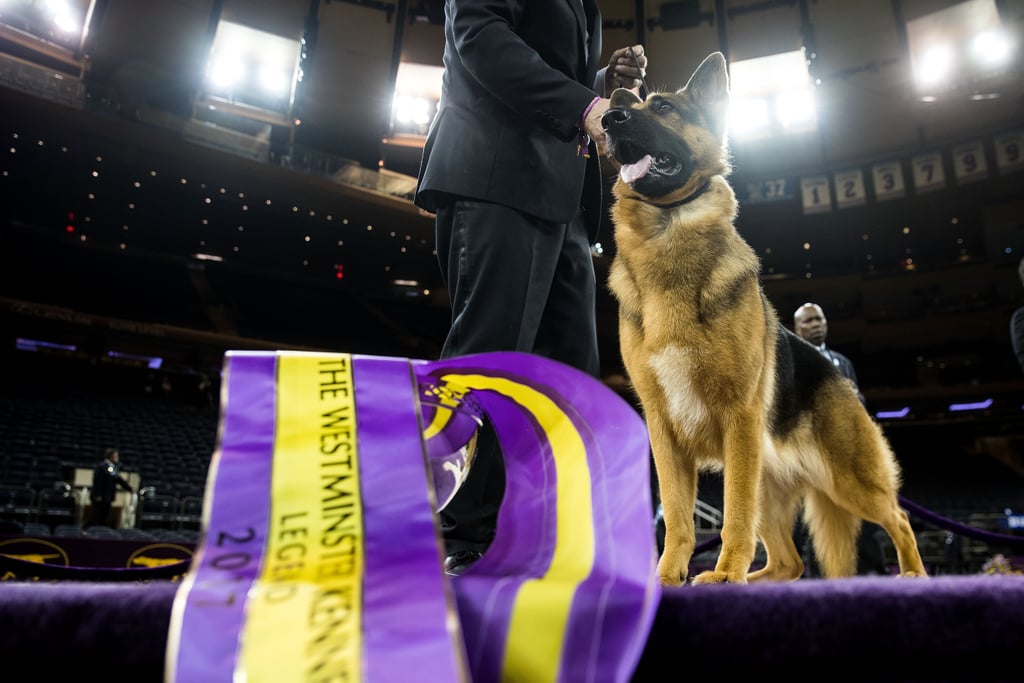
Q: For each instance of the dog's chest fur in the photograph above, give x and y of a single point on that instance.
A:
(691, 309)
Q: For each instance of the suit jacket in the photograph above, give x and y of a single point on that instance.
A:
(106, 478)
(1017, 335)
(517, 76)
(845, 367)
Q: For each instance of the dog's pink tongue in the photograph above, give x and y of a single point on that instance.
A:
(632, 172)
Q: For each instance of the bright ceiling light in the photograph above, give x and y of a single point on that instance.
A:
(936, 64)
(253, 67)
(749, 118)
(63, 16)
(795, 110)
(781, 79)
(225, 71)
(992, 48)
(417, 92)
(59, 22)
(66, 23)
(960, 50)
(412, 110)
(274, 80)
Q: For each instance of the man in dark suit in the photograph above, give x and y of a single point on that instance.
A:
(106, 478)
(1017, 323)
(810, 324)
(510, 168)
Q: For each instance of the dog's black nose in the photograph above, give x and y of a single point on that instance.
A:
(614, 116)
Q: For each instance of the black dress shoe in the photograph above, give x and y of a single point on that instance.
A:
(460, 561)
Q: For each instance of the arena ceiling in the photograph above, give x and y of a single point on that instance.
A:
(916, 282)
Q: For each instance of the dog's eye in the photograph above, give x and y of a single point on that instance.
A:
(663, 107)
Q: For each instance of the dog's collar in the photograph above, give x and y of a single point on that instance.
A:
(685, 200)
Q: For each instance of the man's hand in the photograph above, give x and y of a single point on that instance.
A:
(592, 125)
(623, 72)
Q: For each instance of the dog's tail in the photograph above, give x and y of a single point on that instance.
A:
(834, 532)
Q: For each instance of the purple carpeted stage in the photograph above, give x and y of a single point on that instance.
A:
(948, 628)
(71, 610)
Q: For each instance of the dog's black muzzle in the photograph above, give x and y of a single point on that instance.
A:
(620, 110)
(614, 117)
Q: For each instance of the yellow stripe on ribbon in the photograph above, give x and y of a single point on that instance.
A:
(304, 615)
(541, 610)
(447, 396)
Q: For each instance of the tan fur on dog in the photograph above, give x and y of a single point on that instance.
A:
(722, 383)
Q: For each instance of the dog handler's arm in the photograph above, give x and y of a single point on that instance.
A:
(592, 122)
(626, 69)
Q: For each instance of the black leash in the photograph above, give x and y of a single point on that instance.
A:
(643, 81)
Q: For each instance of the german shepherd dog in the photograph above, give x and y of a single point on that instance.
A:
(722, 383)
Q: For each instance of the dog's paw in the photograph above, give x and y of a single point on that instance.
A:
(671, 578)
(769, 573)
(670, 574)
(719, 577)
(912, 575)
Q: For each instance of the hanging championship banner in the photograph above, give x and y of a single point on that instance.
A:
(969, 162)
(768, 190)
(850, 188)
(321, 559)
(815, 194)
(1009, 148)
(927, 172)
(887, 179)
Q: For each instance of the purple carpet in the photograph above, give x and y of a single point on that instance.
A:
(948, 628)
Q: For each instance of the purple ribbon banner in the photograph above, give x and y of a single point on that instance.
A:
(209, 609)
(566, 592)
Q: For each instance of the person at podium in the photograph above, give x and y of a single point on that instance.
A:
(106, 479)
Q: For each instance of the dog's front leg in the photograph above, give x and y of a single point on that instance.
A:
(741, 479)
(677, 486)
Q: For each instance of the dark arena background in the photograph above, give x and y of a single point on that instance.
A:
(159, 208)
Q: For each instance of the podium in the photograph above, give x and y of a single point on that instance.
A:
(122, 508)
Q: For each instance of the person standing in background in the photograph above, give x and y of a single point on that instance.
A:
(106, 478)
(510, 168)
(810, 324)
(1017, 324)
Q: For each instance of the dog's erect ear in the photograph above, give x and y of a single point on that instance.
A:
(709, 89)
(621, 97)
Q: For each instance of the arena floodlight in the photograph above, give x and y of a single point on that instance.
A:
(412, 110)
(771, 95)
(252, 68)
(60, 23)
(749, 118)
(224, 72)
(992, 48)
(959, 50)
(274, 80)
(417, 93)
(795, 110)
(64, 17)
(935, 66)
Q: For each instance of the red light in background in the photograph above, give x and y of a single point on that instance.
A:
(70, 227)
(339, 271)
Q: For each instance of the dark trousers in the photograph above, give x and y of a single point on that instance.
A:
(516, 283)
(100, 512)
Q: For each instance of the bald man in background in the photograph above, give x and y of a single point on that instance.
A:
(810, 324)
